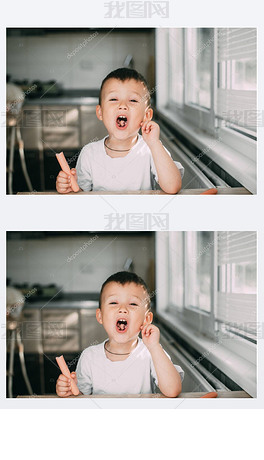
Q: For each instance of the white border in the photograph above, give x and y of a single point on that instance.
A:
(161, 432)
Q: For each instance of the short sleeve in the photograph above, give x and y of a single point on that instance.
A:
(180, 167)
(83, 374)
(154, 171)
(154, 375)
(83, 169)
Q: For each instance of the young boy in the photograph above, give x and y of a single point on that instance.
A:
(125, 160)
(124, 363)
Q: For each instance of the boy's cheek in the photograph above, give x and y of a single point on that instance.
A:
(143, 323)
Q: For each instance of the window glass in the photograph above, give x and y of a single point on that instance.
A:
(175, 258)
(176, 66)
(198, 272)
(198, 66)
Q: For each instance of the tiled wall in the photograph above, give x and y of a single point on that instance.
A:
(48, 57)
(54, 260)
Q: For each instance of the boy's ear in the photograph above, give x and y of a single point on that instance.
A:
(99, 112)
(148, 114)
(98, 315)
(148, 318)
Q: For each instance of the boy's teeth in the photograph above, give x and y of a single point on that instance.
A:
(121, 120)
(121, 324)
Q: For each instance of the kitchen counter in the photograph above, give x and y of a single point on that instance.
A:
(221, 191)
(60, 326)
(52, 123)
(70, 301)
(221, 394)
(68, 97)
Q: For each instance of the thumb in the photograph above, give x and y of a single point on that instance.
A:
(73, 171)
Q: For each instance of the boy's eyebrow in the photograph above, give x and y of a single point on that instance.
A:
(133, 295)
(132, 92)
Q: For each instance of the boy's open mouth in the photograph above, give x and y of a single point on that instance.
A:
(121, 325)
(121, 121)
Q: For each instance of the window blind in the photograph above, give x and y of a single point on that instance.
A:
(236, 247)
(236, 300)
(236, 92)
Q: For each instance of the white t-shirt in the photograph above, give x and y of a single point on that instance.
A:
(96, 374)
(136, 171)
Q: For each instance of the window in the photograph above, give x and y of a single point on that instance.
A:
(208, 279)
(213, 274)
(198, 66)
(237, 85)
(237, 288)
(210, 76)
(198, 269)
(175, 77)
(176, 279)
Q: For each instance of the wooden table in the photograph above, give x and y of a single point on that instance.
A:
(221, 191)
(221, 394)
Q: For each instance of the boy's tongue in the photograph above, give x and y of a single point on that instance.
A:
(121, 121)
(121, 326)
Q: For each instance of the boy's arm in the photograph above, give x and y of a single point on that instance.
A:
(168, 173)
(169, 379)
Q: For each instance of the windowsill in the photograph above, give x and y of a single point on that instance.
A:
(225, 156)
(240, 370)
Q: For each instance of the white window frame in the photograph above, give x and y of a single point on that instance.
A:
(200, 322)
(203, 121)
(193, 316)
(198, 115)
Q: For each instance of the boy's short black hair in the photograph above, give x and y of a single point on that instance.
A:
(126, 278)
(123, 74)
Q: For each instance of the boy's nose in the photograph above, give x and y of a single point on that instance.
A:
(123, 105)
(122, 308)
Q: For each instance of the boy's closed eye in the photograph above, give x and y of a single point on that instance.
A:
(131, 304)
(115, 99)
